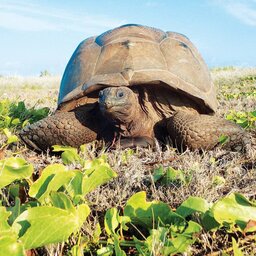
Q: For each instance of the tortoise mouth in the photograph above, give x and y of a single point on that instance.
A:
(120, 107)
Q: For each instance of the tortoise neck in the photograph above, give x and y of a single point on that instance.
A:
(137, 124)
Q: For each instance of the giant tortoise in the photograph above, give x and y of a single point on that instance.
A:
(132, 85)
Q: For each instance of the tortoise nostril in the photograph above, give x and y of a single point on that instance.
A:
(107, 103)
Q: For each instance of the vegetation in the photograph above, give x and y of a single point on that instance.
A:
(89, 201)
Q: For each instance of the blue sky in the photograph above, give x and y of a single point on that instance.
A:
(39, 35)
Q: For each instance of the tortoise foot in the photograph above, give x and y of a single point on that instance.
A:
(195, 131)
(62, 128)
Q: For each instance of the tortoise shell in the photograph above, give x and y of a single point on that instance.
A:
(137, 55)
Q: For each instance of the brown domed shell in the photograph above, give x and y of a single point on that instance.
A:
(133, 55)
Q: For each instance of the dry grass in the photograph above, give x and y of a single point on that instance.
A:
(135, 171)
(39, 91)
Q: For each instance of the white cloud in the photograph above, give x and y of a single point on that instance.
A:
(244, 10)
(28, 16)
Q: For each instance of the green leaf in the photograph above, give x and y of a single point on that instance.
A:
(105, 251)
(69, 155)
(150, 214)
(14, 190)
(111, 221)
(124, 220)
(43, 225)
(234, 209)
(53, 177)
(172, 175)
(12, 169)
(118, 250)
(10, 137)
(208, 221)
(16, 121)
(158, 173)
(98, 174)
(192, 228)
(74, 187)
(4, 215)
(60, 200)
(8, 238)
(191, 205)
(160, 242)
(15, 210)
(10, 246)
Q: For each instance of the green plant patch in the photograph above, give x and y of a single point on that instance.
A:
(244, 119)
(170, 175)
(16, 115)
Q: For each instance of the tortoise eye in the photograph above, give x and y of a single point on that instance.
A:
(120, 94)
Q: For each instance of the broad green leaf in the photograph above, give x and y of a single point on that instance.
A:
(191, 205)
(192, 228)
(180, 244)
(82, 212)
(234, 209)
(4, 215)
(97, 175)
(8, 238)
(60, 200)
(69, 155)
(10, 246)
(208, 221)
(14, 168)
(74, 187)
(172, 175)
(111, 221)
(43, 225)
(150, 214)
(53, 177)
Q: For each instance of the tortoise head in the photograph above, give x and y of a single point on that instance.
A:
(118, 103)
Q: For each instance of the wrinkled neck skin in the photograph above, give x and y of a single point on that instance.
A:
(132, 121)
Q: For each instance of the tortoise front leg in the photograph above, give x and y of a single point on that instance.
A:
(195, 131)
(62, 128)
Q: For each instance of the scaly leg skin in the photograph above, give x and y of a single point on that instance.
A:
(195, 131)
(62, 128)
